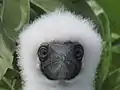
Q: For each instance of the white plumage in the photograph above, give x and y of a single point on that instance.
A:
(61, 26)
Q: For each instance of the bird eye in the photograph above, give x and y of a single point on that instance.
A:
(78, 51)
(43, 52)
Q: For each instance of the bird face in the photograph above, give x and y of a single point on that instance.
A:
(60, 60)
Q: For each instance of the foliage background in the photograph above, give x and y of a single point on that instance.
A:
(15, 14)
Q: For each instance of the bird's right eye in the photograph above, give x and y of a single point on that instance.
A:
(43, 52)
(78, 51)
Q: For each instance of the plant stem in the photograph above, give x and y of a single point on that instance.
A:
(8, 83)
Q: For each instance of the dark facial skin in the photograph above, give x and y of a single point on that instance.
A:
(61, 60)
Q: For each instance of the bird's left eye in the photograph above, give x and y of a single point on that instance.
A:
(78, 51)
(43, 52)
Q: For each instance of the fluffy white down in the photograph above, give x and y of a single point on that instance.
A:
(62, 26)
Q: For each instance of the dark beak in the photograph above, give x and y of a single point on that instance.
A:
(62, 62)
(62, 69)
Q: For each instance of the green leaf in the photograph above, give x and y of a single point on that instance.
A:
(15, 16)
(112, 82)
(115, 36)
(80, 7)
(111, 8)
(107, 54)
(106, 35)
(35, 12)
(116, 46)
(47, 5)
(10, 44)
(116, 49)
(0, 9)
(11, 80)
(33, 15)
(5, 57)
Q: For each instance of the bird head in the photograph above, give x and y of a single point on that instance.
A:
(59, 51)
